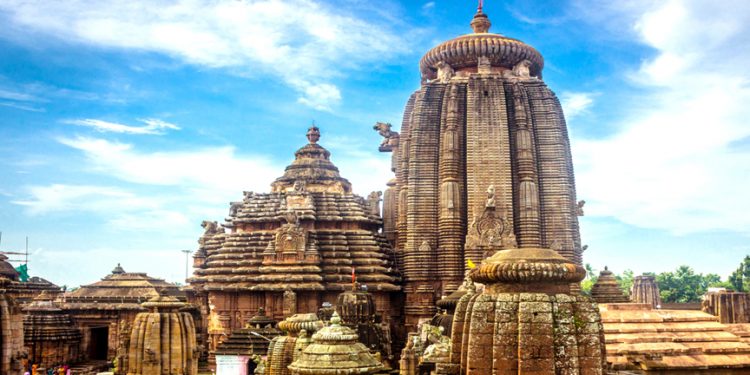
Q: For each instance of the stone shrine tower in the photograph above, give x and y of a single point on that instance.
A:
(482, 162)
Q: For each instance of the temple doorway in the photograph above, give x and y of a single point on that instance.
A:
(99, 343)
(251, 367)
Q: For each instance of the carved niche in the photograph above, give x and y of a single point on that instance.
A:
(289, 243)
(490, 231)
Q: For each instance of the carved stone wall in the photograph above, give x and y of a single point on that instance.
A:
(730, 307)
(645, 290)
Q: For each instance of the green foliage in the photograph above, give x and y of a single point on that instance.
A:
(740, 278)
(684, 285)
(589, 281)
(626, 281)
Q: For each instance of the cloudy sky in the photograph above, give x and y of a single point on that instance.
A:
(124, 124)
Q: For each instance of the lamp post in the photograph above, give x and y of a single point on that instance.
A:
(187, 253)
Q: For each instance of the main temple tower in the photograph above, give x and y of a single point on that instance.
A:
(482, 163)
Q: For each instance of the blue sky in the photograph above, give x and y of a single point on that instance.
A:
(124, 124)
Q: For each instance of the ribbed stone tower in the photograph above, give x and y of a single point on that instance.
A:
(645, 290)
(525, 321)
(163, 340)
(483, 131)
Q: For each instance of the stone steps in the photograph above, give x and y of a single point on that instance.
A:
(641, 338)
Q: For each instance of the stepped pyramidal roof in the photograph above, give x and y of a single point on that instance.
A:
(309, 233)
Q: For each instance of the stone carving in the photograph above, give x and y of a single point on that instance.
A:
(247, 195)
(234, 207)
(210, 228)
(390, 137)
(425, 247)
(289, 302)
(490, 197)
(444, 72)
(489, 231)
(373, 202)
(313, 134)
(299, 186)
(579, 207)
(484, 65)
(291, 239)
(521, 70)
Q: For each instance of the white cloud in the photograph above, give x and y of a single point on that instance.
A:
(576, 103)
(153, 126)
(218, 169)
(295, 40)
(17, 96)
(22, 107)
(673, 164)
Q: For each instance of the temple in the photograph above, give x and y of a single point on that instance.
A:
(482, 128)
(472, 267)
(293, 249)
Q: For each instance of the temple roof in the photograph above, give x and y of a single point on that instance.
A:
(6, 269)
(119, 291)
(312, 170)
(464, 51)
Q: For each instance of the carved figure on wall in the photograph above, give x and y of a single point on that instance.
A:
(444, 72)
(579, 207)
(289, 302)
(425, 247)
(291, 217)
(373, 202)
(484, 65)
(300, 186)
(390, 137)
(490, 197)
(210, 227)
(521, 70)
(234, 207)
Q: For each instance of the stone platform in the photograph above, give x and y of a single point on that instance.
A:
(639, 337)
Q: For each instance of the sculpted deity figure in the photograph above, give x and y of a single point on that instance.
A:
(373, 202)
(425, 247)
(444, 72)
(490, 197)
(521, 70)
(299, 186)
(289, 302)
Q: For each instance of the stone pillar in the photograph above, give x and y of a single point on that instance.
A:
(163, 340)
(730, 307)
(645, 290)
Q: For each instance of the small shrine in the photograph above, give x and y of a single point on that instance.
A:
(335, 351)
(607, 289)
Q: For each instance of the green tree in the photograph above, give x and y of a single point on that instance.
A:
(590, 280)
(684, 285)
(740, 278)
(626, 281)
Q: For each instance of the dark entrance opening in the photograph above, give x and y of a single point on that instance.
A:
(99, 343)
(250, 367)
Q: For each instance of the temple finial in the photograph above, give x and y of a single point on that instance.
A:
(313, 134)
(480, 23)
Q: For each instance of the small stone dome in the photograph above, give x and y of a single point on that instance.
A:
(335, 350)
(464, 51)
